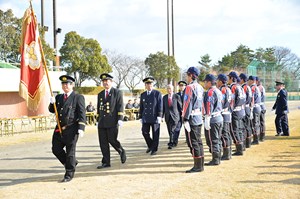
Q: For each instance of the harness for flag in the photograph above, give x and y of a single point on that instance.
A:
(32, 84)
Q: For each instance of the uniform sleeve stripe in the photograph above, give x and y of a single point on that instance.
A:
(120, 113)
(82, 123)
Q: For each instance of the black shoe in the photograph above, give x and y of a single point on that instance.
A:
(169, 147)
(148, 150)
(153, 153)
(194, 170)
(66, 179)
(279, 134)
(104, 165)
(255, 142)
(76, 162)
(123, 156)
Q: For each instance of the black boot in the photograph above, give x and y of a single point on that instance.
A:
(226, 155)
(215, 159)
(239, 149)
(248, 142)
(244, 145)
(198, 166)
(261, 137)
(255, 139)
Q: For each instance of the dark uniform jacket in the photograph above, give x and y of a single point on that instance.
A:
(173, 111)
(110, 110)
(281, 105)
(71, 112)
(151, 106)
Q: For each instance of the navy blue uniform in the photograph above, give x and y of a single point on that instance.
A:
(213, 108)
(247, 128)
(281, 107)
(226, 100)
(151, 107)
(256, 112)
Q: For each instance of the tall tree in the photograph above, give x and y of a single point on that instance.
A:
(136, 74)
(83, 57)
(205, 68)
(163, 68)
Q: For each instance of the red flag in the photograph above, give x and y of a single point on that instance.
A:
(32, 86)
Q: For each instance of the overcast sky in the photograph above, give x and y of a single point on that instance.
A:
(138, 27)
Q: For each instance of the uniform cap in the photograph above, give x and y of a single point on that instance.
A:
(222, 77)
(193, 70)
(210, 77)
(105, 76)
(148, 80)
(233, 74)
(182, 83)
(251, 77)
(279, 83)
(66, 79)
(244, 77)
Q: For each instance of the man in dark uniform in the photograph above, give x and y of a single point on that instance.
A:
(110, 109)
(192, 118)
(172, 106)
(256, 99)
(262, 90)
(226, 99)
(151, 108)
(213, 119)
(72, 119)
(247, 120)
(238, 112)
(281, 110)
(181, 86)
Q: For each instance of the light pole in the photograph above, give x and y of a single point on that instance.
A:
(55, 32)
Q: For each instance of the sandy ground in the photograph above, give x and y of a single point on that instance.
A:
(268, 170)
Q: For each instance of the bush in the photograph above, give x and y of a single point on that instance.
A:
(93, 90)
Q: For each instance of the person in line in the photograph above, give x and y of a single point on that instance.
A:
(172, 105)
(192, 118)
(72, 120)
(151, 108)
(262, 119)
(238, 112)
(213, 119)
(256, 100)
(110, 110)
(226, 100)
(281, 110)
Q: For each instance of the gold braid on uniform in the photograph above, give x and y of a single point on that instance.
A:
(120, 113)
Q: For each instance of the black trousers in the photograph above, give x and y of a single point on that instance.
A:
(282, 125)
(256, 123)
(213, 137)
(194, 141)
(236, 129)
(248, 127)
(262, 122)
(177, 131)
(108, 136)
(171, 126)
(225, 136)
(69, 140)
(153, 142)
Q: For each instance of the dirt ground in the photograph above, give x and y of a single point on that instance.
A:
(268, 170)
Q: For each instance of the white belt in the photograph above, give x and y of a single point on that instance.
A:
(226, 113)
(262, 103)
(238, 108)
(215, 114)
(256, 105)
(196, 112)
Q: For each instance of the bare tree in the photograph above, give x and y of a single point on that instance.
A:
(137, 73)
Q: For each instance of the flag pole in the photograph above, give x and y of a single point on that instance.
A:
(46, 71)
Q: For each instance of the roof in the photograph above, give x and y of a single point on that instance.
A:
(7, 65)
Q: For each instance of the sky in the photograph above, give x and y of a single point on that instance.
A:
(139, 27)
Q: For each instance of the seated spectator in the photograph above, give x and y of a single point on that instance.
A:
(129, 105)
(90, 108)
(136, 104)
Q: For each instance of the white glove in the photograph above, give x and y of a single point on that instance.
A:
(285, 112)
(141, 121)
(81, 133)
(273, 110)
(158, 120)
(52, 100)
(120, 122)
(187, 126)
(207, 122)
(251, 115)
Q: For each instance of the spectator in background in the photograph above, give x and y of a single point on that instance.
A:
(129, 105)
(90, 108)
(135, 104)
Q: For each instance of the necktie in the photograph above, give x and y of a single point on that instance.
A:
(65, 97)
(148, 92)
(106, 95)
(170, 101)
